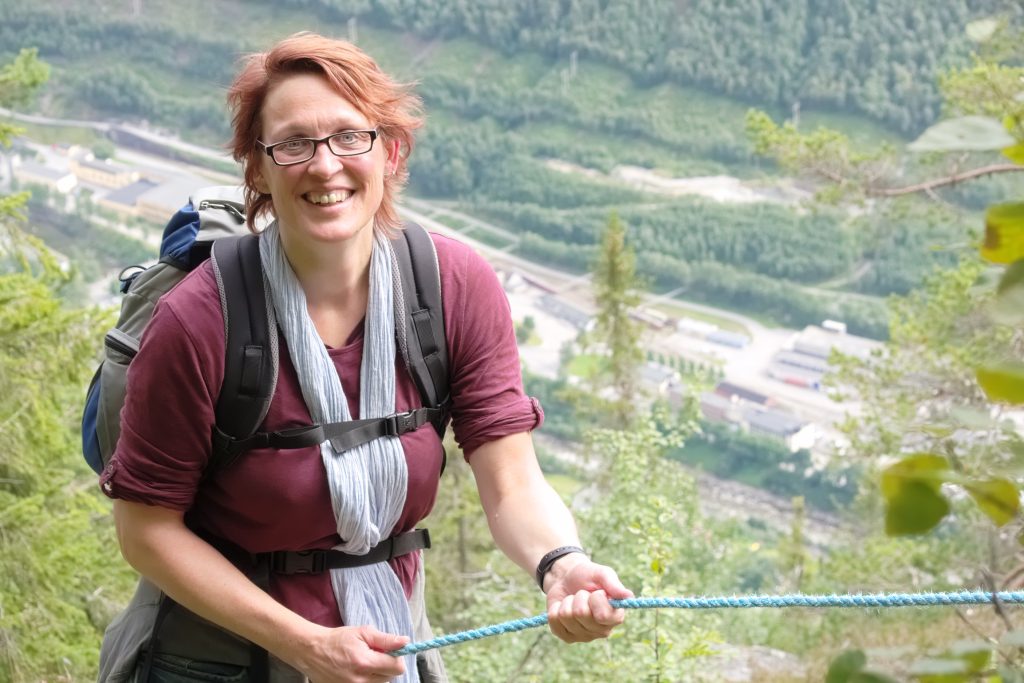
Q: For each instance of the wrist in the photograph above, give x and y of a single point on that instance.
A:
(303, 646)
(555, 564)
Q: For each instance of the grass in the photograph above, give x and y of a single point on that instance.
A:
(53, 135)
(860, 130)
(453, 222)
(489, 237)
(680, 311)
(585, 365)
(603, 152)
(471, 62)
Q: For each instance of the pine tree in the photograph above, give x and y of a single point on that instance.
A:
(617, 291)
(62, 574)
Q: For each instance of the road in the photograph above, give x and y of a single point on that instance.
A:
(106, 127)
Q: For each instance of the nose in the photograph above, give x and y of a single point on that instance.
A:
(324, 163)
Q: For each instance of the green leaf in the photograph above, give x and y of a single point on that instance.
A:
(925, 467)
(1007, 674)
(1012, 279)
(917, 508)
(998, 498)
(1004, 233)
(872, 677)
(971, 417)
(939, 670)
(845, 666)
(963, 134)
(1003, 382)
(1015, 153)
(973, 653)
(981, 30)
(1008, 307)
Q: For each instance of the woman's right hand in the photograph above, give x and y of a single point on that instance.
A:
(158, 544)
(354, 654)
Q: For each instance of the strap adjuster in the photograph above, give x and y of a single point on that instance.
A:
(400, 423)
(299, 562)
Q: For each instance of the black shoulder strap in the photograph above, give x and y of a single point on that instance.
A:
(251, 354)
(426, 351)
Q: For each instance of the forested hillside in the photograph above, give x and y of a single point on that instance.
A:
(877, 57)
(880, 57)
(511, 87)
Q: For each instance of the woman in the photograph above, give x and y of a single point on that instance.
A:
(324, 137)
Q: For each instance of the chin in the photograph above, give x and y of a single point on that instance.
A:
(341, 232)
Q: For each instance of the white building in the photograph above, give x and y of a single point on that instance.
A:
(30, 172)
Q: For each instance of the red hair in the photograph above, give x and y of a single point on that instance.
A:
(389, 105)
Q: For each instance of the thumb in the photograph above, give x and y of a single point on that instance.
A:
(383, 642)
(612, 586)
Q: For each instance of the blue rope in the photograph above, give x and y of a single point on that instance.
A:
(793, 600)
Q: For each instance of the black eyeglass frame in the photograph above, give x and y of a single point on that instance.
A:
(269, 149)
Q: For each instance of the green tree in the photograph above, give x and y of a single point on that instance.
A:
(617, 291)
(103, 149)
(937, 402)
(525, 329)
(18, 81)
(63, 576)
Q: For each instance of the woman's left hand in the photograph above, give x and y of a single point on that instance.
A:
(578, 599)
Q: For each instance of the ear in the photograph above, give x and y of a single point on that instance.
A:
(260, 183)
(393, 148)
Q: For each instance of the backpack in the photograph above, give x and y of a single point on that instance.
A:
(212, 225)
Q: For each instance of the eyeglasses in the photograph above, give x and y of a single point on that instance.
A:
(347, 143)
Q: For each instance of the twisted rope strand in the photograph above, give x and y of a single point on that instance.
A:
(792, 600)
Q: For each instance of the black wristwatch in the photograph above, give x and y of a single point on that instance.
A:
(549, 559)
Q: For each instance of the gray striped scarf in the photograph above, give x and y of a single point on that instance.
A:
(368, 483)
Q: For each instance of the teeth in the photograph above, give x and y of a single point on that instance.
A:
(329, 198)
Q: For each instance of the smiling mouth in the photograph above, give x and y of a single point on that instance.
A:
(327, 198)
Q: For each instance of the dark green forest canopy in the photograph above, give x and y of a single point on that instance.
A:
(643, 96)
(877, 57)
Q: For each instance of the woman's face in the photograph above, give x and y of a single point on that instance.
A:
(328, 198)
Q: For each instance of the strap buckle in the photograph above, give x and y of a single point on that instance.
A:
(299, 562)
(400, 423)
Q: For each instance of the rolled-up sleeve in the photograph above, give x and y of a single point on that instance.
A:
(168, 413)
(488, 401)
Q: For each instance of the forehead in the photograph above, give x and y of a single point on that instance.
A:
(307, 104)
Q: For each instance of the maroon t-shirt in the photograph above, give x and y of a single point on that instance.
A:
(279, 500)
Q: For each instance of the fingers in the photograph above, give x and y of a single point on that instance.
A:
(606, 579)
(584, 616)
(383, 642)
(357, 655)
(376, 663)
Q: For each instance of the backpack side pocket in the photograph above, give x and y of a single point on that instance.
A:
(119, 349)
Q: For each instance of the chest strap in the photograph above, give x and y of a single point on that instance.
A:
(342, 435)
(319, 561)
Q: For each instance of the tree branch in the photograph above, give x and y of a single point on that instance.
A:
(948, 180)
